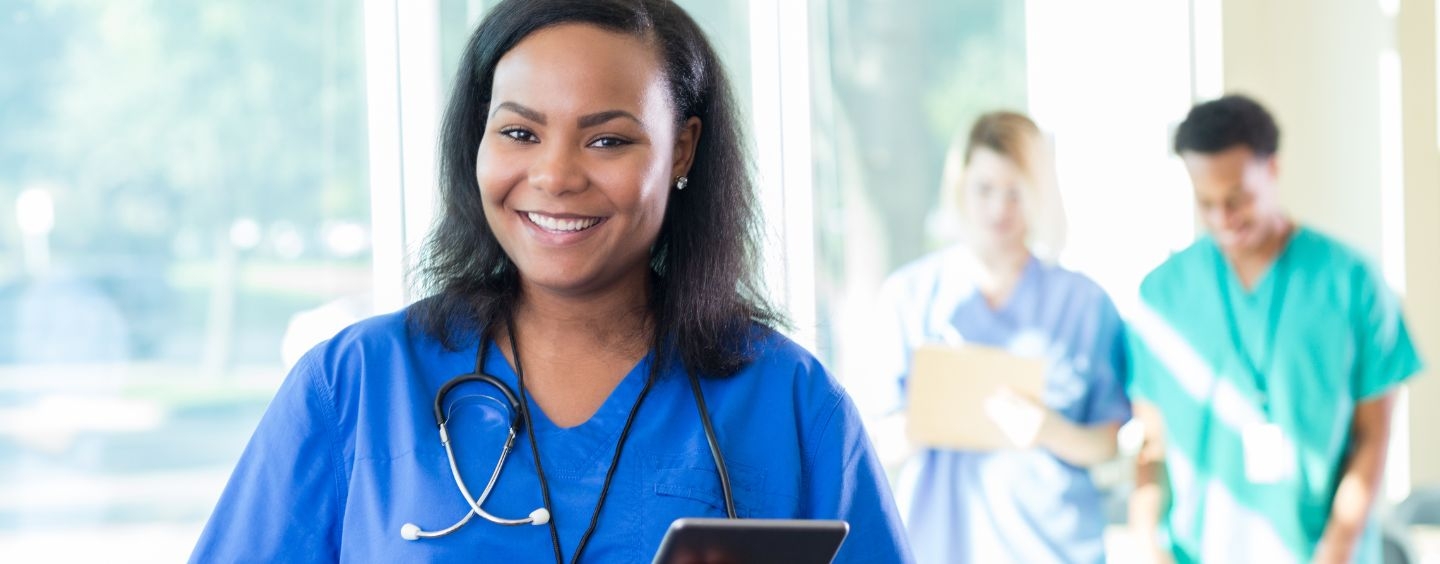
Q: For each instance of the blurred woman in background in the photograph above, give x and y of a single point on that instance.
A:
(999, 287)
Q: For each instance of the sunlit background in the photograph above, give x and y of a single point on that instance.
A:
(195, 193)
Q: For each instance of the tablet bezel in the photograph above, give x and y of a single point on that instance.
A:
(690, 530)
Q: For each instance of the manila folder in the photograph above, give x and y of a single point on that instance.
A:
(947, 389)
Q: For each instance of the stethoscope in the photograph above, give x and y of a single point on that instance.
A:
(540, 516)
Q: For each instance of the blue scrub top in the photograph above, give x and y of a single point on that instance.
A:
(1004, 506)
(348, 452)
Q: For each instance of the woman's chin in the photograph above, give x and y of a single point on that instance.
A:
(999, 240)
(557, 280)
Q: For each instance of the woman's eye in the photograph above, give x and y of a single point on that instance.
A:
(609, 143)
(519, 134)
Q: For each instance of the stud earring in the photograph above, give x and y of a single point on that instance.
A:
(681, 183)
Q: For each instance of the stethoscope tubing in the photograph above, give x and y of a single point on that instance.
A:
(475, 504)
(410, 531)
(540, 516)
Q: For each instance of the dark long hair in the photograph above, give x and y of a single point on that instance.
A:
(705, 294)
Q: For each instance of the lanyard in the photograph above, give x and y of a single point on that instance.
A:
(1281, 275)
(535, 448)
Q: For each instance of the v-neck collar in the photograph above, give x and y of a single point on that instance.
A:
(584, 444)
(1242, 309)
(1266, 280)
(1013, 303)
(972, 314)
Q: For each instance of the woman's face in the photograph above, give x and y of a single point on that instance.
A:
(994, 200)
(579, 156)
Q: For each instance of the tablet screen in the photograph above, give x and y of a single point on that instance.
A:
(751, 541)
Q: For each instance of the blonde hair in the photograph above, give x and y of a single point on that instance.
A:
(1016, 137)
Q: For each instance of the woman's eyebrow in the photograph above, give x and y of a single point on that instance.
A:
(598, 118)
(589, 120)
(524, 112)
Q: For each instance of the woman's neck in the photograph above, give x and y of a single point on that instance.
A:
(615, 319)
(578, 347)
(997, 271)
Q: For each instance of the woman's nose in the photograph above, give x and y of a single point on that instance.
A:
(558, 171)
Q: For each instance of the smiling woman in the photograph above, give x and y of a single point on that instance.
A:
(579, 155)
(654, 108)
(599, 224)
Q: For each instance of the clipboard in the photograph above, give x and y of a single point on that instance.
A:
(947, 389)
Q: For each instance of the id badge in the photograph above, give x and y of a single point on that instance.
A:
(1268, 456)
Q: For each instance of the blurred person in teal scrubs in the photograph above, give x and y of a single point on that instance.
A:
(1265, 360)
(999, 287)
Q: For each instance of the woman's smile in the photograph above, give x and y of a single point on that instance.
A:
(561, 228)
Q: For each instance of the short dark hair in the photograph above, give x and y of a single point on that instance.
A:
(1226, 122)
(705, 292)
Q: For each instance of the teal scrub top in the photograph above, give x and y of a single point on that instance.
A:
(1316, 336)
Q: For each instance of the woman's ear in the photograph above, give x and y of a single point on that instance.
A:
(685, 142)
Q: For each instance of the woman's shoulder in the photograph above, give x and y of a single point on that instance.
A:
(939, 272)
(928, 267)
(370, 353)
(1075, 284)
(1074, 279)
(773, 349)
(377, 334)
(779, 365)
(785, 389)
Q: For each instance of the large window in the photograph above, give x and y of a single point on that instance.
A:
(892, 89)
(201, 192)
(189, 188)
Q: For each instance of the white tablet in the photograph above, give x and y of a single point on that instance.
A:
(751, 541)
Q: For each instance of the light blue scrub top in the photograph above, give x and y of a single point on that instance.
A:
(1007, 506)
(348, 452)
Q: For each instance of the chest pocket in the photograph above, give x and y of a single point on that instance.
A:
(689, 486)
(691, 490)
(1315, 380)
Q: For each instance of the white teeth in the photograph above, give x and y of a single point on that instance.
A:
(567, 225)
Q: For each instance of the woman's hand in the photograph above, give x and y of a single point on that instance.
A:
(1023, 421)
(1026, 423)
